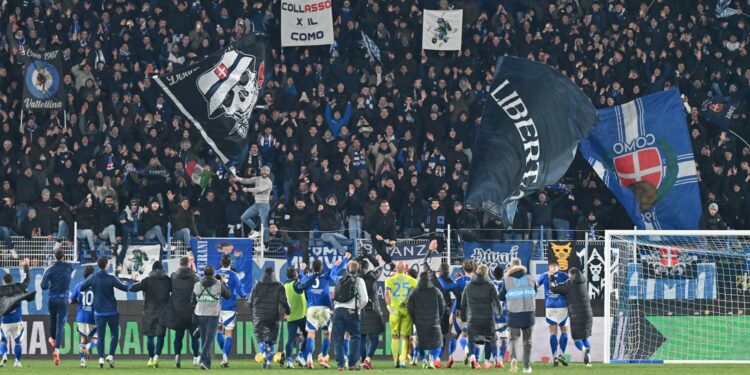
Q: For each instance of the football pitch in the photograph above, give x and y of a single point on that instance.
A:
(166, 367)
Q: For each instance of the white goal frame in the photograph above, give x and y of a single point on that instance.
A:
(608, 251)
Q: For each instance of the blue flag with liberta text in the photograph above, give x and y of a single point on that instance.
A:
(642, 152)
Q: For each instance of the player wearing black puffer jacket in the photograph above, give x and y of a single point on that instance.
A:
(268, 295)
(576, 293)
(481, 304)
(426, 306)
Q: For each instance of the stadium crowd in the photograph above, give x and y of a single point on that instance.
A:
(339, 130)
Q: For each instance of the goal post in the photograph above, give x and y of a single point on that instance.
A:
(677, 297)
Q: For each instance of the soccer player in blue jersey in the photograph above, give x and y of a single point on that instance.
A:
(56, 279)
(228, 315)
(556, 312)
(500, 345)
(455, 319)
(105, 308)
(320, 308)
(85, 322)
(11, 325)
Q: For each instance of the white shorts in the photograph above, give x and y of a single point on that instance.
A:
(557, 316)
(459, 326)
(502, 333)
(12, 331)
(86, 329)
(318, 318)
(228, 319)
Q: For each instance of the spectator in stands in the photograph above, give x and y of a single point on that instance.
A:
(465, 222)
(354, 205)
(31, 226)
(711, 220)
(297, 224)
(182, 219)
(7, 222)
(27, 192)
(434, 223)
(541, 215)
(261, 189)
(233, 210)
(590, 226)
(330, 223)
(131, 222)
(410, 217)
(154, 222)
(85, 217)
(106, 221)
(382, 228)
(44, 214)
(208, 215)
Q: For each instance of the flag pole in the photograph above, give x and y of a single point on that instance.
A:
(740, 138)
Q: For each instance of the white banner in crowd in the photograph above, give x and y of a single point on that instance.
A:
(441, 30)
(306, 22)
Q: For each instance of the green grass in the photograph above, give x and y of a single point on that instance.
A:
(243, 365)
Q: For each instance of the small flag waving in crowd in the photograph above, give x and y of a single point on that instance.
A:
(371, 47)
(642, 152)
(723, 10)
(721, 111)
(441, 30)
(218, 95)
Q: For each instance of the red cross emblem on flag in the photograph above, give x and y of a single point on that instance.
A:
(221, 71)
(669, 257)
(641, 165)
(261, 74)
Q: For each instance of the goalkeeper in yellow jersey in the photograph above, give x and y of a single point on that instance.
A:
(398, 288)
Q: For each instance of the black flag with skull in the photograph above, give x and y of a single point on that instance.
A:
(218, 95)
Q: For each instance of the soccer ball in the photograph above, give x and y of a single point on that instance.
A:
(259, 357)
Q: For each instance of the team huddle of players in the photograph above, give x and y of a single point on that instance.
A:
(474, 308)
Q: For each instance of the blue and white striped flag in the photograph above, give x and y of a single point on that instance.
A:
(371, 47)
(723, 10)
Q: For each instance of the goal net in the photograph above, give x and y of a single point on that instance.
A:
(677, 296)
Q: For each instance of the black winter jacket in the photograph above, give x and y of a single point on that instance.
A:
(426, 307)
(180, 315)
(479, 306)
(384, 225)
(267, 298)
(153, 218)
(576, 293)
(372, 318)
(156, 289)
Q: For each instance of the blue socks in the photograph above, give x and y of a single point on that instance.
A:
(309, 346)
(17, 352)
(435, 354)
(346, 347)
(580, 344)
(227, 347)
(326, 345)
(563, 342)
(3, 348)
(220, 339)
(268, 352)
(464, 342)
(553, 343)
(502, 350)
(81, 347)
(451, 346)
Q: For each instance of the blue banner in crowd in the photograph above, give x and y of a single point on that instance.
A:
(722, 110)
(209, 251)
(495, 254)
(642, 152)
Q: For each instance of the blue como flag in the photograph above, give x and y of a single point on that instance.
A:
(641, 150)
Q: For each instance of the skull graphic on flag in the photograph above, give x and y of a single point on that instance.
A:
(641, 165)
(231, 89)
